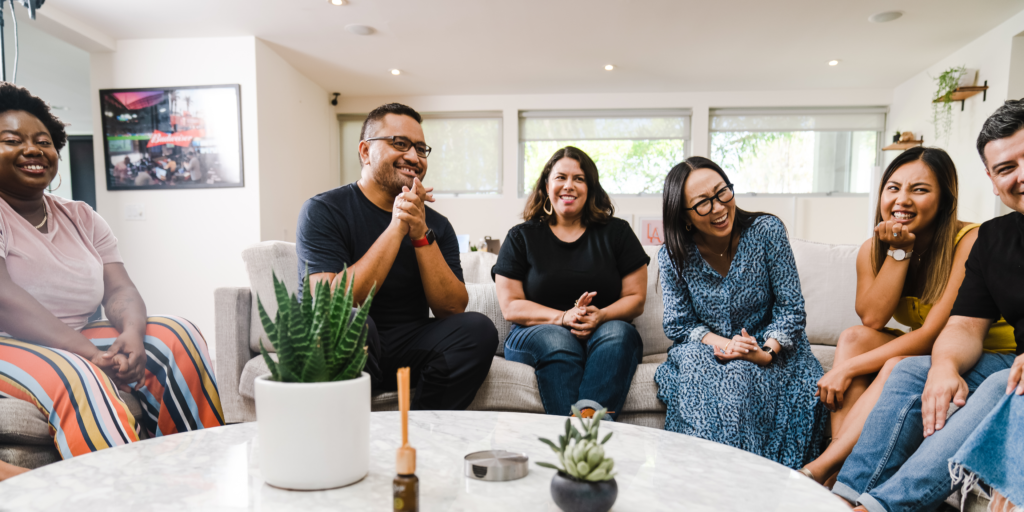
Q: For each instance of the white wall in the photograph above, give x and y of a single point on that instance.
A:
(817, 218)
(52, 69)
(191, 240)
(911, 110)
(299, 147)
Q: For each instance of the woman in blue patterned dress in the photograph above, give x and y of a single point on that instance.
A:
(741, 371)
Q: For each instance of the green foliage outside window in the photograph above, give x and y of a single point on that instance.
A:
(625, 166)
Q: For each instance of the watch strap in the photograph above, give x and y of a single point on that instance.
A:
(427, 239)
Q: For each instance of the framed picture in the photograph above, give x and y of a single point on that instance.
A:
(652, 232)
(172, 137)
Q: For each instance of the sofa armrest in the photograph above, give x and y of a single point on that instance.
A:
(232, 308)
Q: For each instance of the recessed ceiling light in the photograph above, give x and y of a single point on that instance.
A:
(608, 67)
(396, 72)
(833, 63)
(359, 30)
(337, 2)
(883, 17)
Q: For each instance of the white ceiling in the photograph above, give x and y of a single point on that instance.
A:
(561, 46)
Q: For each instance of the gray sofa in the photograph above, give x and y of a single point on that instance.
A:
(827, 274)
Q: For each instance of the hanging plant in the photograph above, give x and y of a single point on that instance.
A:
(942, 108)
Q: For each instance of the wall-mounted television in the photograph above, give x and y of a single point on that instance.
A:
(172, 137)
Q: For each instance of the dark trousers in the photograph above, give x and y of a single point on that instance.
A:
(449, 358)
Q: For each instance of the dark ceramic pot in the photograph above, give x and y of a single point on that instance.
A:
(572, 495)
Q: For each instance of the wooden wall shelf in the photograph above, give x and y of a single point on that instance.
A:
(907, 144)
(962, 93)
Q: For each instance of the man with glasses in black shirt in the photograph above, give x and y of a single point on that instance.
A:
(901, 460)
(382, 230)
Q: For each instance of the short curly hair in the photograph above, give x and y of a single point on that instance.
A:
(13, 97)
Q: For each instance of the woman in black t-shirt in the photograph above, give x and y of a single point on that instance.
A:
(570, 279)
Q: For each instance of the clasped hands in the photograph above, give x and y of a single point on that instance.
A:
(742, 346)
(124, 362)
(583, 319)
(410, 211)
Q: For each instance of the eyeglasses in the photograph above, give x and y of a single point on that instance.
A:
(403, 144)
(723, 196)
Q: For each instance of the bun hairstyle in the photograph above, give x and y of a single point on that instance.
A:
(938, 263)
(597, 210)
(674, 211)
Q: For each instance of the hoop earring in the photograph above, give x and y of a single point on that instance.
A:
(547, 206)
(59, 183)
(689, 227)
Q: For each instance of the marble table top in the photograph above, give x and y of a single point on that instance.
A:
(218, 469)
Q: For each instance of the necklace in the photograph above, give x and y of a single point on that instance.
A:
(43, 223)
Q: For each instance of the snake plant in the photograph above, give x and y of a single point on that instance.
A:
(581, 455)
(318, 339)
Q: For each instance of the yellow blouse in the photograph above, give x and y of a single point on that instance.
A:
(911, 312)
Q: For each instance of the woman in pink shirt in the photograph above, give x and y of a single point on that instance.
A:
(58, 263)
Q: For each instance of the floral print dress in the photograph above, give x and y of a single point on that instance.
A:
(769, 411)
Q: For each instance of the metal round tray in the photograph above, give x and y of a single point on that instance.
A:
(497, 465)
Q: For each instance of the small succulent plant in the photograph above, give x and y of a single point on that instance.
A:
(319, 339)
(581, 455)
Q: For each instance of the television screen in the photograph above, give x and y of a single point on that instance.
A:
(172, 137)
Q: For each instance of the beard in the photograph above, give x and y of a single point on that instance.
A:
(389, 178)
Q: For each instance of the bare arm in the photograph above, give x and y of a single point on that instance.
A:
(126, 310)
(122, 302)
(920, 341)
(446, 295)
(956, 351)
(516, 309)
(374, 266)
(878, 296)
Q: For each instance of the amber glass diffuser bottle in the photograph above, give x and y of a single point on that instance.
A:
(406, 487)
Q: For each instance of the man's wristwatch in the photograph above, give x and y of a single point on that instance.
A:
(770, 352)
(427, 239)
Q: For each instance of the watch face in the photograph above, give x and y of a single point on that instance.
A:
(899, 254)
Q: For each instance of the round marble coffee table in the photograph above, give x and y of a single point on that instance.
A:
(218, 469)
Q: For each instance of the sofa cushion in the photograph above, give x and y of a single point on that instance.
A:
(509, 386)
(483, 298)
(649, 324)
(263, 261)
(828, 280)
(476, 266)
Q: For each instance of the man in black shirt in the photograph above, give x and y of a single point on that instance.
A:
(900, 462)
(381, 228)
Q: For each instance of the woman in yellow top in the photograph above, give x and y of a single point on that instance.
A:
(909, 270)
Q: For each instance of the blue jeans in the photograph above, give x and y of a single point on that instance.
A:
(994, 453)
(893, 467)
(569, 370)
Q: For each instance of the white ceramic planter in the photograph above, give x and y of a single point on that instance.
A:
(313, 436)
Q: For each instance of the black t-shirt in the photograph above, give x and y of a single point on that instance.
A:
(993, 285)
(555, 273)
(337, 227)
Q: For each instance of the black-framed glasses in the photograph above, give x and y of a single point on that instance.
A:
(723, 196)
(403, 144)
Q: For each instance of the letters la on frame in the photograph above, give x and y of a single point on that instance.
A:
(172, 137)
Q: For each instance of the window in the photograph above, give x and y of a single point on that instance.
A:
(798, 151)
(633, 150)
(465, 156)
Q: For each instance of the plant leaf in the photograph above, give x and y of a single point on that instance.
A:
(549, 466)
(607, 437)
(552, 445)
(307, 298)
(274, 375)
(268, 325)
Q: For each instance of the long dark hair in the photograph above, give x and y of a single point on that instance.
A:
(938, 263)
(673, 211)
(598, 208)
